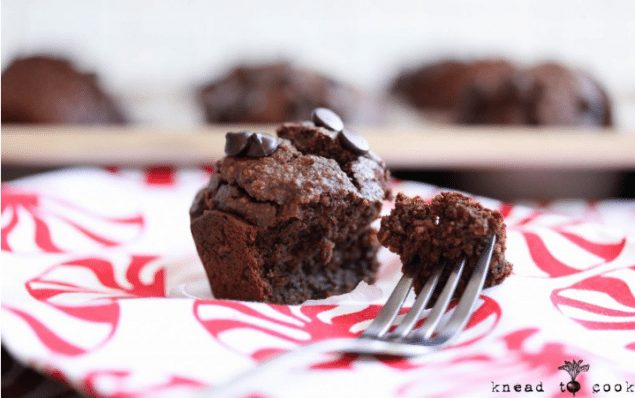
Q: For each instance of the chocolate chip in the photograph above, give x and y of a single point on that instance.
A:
(261, 145)
(249, 143)
(324, 117)
(235, 143)
(354, 141)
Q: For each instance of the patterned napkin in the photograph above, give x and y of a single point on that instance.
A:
(102, 288)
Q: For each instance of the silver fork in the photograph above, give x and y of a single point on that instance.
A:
(405, 340)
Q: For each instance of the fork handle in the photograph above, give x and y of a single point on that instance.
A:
(279, 364)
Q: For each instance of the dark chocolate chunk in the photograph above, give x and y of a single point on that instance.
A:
(354, 141)
(261, 145)
(249, 143)
(235, 143)
(324, 117)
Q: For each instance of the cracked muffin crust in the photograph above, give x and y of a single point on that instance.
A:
(293, 225)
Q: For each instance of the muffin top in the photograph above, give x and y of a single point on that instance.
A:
(310, 165)
(42, 89)
(279, 92)
(546, 94)
(568, 97)
(440, 85)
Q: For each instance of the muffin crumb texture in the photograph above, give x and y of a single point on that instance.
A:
(439, 233)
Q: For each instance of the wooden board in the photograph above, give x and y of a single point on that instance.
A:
(426, 147)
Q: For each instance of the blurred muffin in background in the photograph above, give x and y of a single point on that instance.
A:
(43, 89)
(279, 92)
(494, 91)
(546, 94)
(440, 85)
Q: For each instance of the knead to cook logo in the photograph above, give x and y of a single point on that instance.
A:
(574, 369)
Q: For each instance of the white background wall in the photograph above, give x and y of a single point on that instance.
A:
(153, 53)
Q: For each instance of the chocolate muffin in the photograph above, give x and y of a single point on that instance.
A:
(42, 89)
(440, 85)
(279, 92)
(288, 219)
(442, 232)
(546, 94)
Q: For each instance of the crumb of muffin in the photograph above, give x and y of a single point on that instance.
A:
(441, 232)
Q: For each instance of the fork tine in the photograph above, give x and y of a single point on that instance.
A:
(441, 305)
(463, 310)
(411, 318)
(389, 311)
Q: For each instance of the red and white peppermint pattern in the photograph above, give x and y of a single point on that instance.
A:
(92, 258)
(35, 222)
